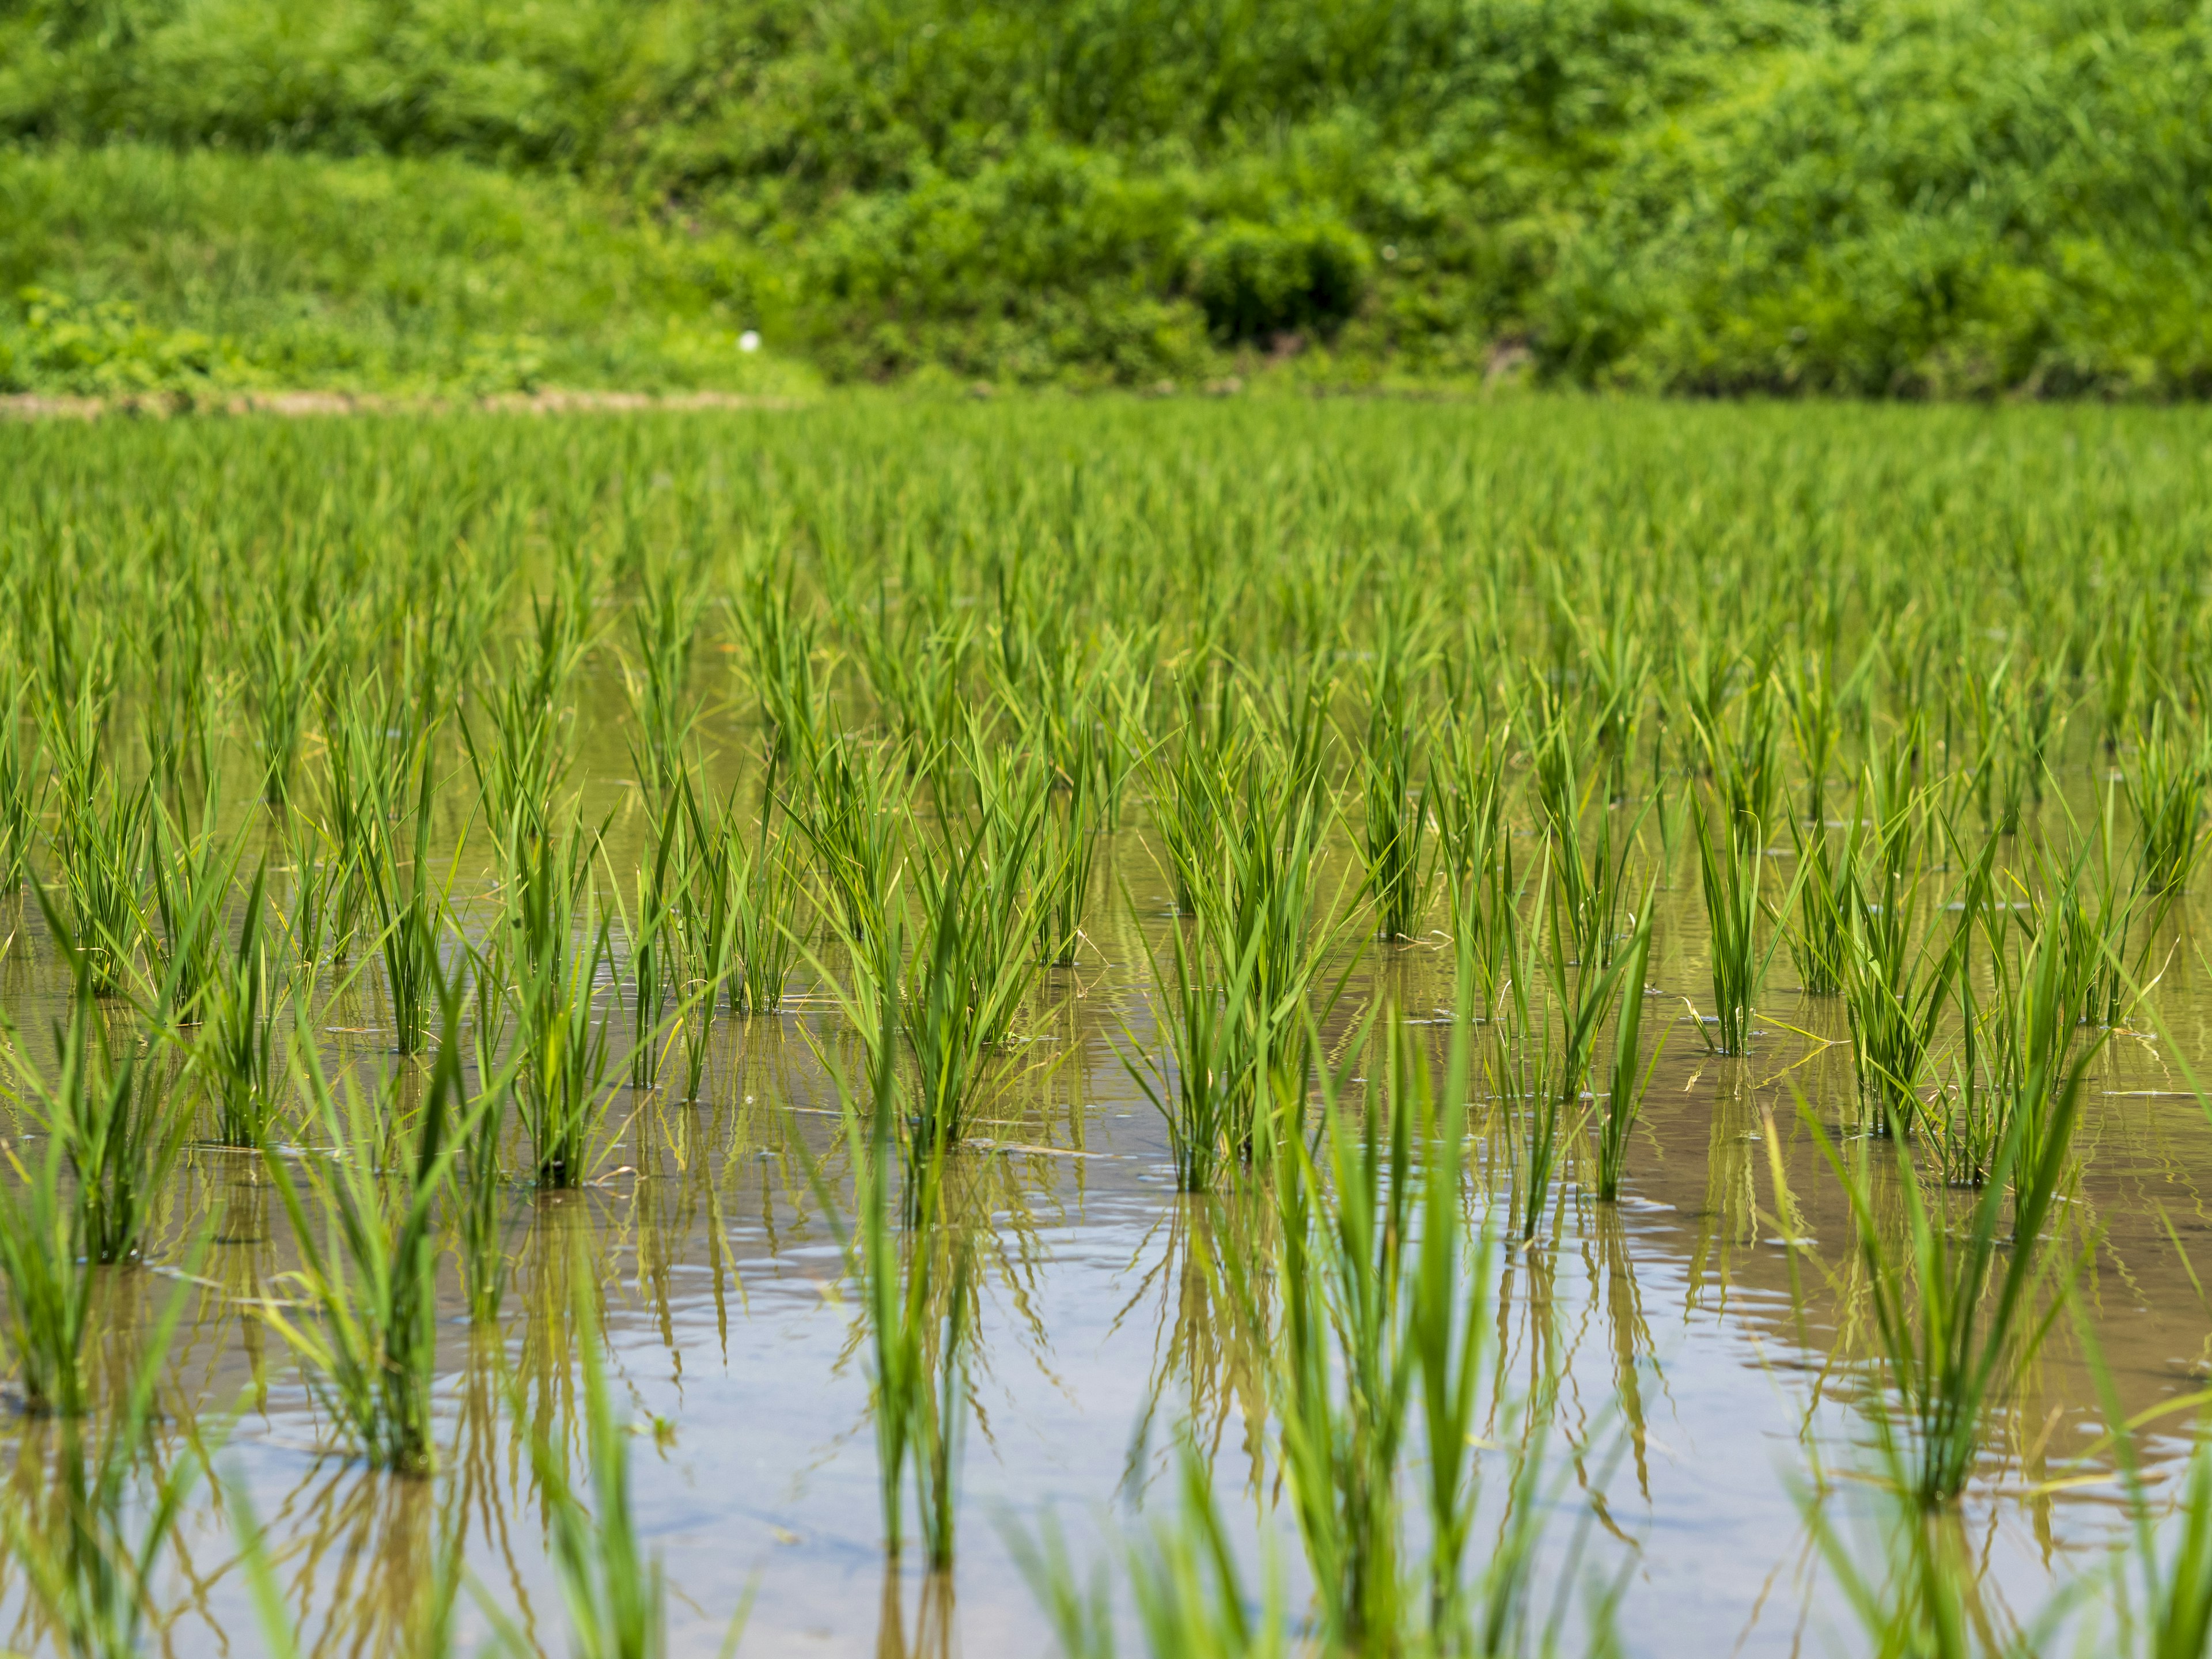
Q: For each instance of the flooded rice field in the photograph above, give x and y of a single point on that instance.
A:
(1552, 1028)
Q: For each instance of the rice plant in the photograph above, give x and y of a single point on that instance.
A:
(22, 790)
(1396, 851)
(1961, 1307)
(1217, 1044)
(1729, 877)
(236, 1052)
(109, 1107)
(101, 843)
(1629, 1077)
(2166, 791)
(410, 907)
(559, 942)
(367, 1273)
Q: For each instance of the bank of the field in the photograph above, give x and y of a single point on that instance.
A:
(1908, 198)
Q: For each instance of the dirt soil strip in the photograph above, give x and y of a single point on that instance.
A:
(162, 405)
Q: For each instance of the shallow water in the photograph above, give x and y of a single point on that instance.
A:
(1705, 1332)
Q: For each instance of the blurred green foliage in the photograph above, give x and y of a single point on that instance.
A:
(1883, 196)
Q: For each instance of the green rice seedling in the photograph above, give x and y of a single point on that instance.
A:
(1961, 1309)
(411, 908)
(101, 843)
(970, 971)
(1742, 751)
(479, 1199)
(918, 667)
(49, 1283)
(1345, 1393)
(1217, 1045)
(2009, 1056)
(852, 818)
(108, 1106)
(1074, 811)
(285, 655)
(316, 892)
(519, 762)
(368, 1272)
(651, 931)
(86, 1535)
(1629, 1077)
(22, 790)
(2166, 791)
(1819, 939)
(1816, 726)
(1898, 973)
(359, 800)
(560, 943)
(1730, 877)
(1466, 793)
(1260, 900)
(1384, 1312)
(1192, 786)
(1401, 865)
(237, 1050)
(663, 621)
(192, 876)
(781, 646)
(1588, 873)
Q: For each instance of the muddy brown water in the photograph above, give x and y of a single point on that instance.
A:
(1707, 1334)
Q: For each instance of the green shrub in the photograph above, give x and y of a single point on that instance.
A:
(1258, 281)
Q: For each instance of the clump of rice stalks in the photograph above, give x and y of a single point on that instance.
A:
(23, 791)
(411, 908)
(108, 1106)
(237, 1050)
(1729, 877)
(101, 843)
(1961, 1309)
(558, 943)
(1897, 973)
(192, 876)
(519, 764)
(1383, 1330)
(285, 655)
(852, 816)
(370, 1272)
(2167, 790)
(664, 622)
(1218, 1043)
(1629, 1077)
(479, 1198)
(1742, 740)
(740, 906)
(1820, 938)
(1401, 865)
(650, 928)
(780, 645)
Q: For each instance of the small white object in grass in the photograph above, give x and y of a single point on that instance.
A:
(749, 340)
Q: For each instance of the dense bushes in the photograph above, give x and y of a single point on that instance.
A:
(1906, 197)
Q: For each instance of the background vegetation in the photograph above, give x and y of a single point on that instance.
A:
(1888, 196)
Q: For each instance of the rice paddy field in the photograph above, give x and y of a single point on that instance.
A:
(1090, 1027)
